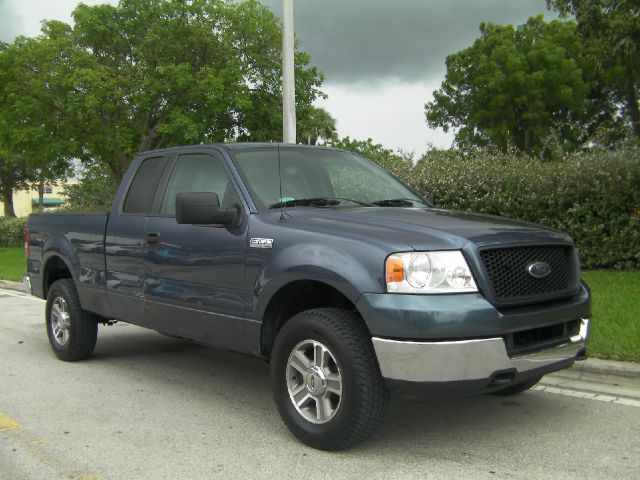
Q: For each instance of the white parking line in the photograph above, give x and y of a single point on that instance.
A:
(20, 295)
(588, 395)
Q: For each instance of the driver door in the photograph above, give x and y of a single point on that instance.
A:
(195, 284)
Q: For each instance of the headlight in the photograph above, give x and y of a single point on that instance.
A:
(429, 272)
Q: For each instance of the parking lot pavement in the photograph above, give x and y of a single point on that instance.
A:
(151, 407)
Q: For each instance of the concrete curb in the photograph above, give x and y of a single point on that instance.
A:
(9, 285)
(608, 367)
(591, 365)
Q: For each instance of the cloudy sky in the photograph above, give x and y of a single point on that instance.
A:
(382, 58)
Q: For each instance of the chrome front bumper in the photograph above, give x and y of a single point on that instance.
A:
(466, 359)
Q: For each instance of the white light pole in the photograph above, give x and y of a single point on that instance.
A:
(288, 76)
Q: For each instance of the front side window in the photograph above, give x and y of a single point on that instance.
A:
(319, 177)
(196, 172)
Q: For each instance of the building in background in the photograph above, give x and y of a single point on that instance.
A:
(26, 201)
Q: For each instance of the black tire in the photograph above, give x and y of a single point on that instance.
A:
(517, 388)
(82, 330)
(363, 398)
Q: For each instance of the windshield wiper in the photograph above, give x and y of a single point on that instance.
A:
(400, 202)
(316, 202)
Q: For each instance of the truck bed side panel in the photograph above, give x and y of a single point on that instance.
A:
(78, 240)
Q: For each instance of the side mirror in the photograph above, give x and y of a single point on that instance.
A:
(203, 208)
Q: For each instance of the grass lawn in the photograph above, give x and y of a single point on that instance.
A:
(615, 329)
(12, 264)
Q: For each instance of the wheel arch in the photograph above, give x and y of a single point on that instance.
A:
(297, 296)
(56, 267)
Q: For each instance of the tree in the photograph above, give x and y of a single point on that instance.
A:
(94, 190)
(149, 74)
(11, 174)
(610, 32)
(33, 147)
(6, 187)
(513, 87)
(316, 124)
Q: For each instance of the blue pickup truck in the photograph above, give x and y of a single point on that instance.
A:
(341, 276)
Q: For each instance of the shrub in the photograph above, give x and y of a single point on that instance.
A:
(12, 232)
(398, 163)
(594, 197)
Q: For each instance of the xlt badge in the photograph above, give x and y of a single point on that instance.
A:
(261, 243)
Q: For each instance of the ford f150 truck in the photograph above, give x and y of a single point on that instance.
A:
(341, 276)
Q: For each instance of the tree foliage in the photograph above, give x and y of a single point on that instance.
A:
(316, 124)
(514, 87)
(94, 191)
(609, 31)
(33, 146)
(148, 74)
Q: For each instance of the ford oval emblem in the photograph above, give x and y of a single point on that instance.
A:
(539, 269)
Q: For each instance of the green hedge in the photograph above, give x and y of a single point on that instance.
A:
(594, 197)
(12, 232)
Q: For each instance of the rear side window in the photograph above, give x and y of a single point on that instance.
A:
(196, 173)
(143, 188)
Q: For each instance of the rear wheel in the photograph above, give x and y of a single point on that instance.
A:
(517, 388)
(72, 331)
(326, 381)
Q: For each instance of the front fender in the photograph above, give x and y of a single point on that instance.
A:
(313, 262)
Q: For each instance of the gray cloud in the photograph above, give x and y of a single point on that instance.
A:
(373, 40)
(10, 23)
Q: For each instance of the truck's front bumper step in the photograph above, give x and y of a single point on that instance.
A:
(470, 360)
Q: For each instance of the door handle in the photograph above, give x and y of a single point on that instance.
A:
(152, 238)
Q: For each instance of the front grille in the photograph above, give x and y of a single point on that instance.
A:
(507, 269)
(536, 339)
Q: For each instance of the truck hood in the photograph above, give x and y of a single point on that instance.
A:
(426, 228)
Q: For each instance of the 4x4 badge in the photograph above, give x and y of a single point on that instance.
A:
(261, 243)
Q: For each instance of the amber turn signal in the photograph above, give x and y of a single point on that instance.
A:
(395, 270)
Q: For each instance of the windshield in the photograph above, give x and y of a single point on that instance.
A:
(319, 178)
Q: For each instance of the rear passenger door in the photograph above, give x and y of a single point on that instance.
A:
(124, 239)
(195, 273)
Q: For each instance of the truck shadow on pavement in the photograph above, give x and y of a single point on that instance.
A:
(440, 426)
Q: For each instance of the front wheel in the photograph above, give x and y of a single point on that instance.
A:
(326, 381)
(72, 331)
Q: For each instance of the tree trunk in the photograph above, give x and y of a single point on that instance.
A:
(527, 141)
(124, 161)
(41, 195)
(634, 110)
(7, 199)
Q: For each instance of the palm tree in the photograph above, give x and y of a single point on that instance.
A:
(317, 125)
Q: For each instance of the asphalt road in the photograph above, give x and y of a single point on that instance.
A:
(151, 407)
